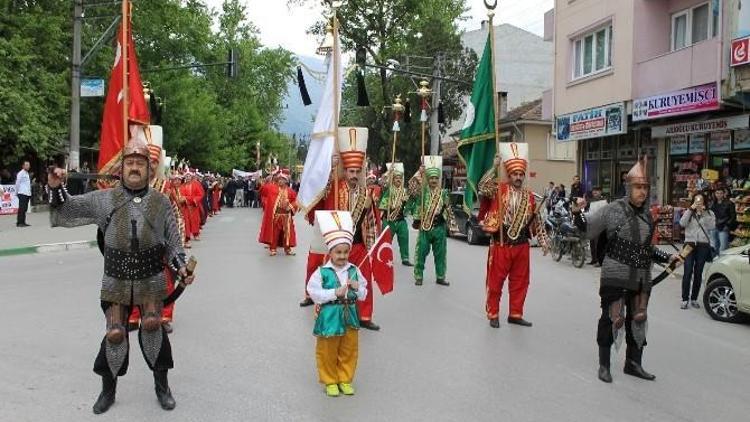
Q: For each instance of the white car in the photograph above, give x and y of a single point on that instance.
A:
(727, 293)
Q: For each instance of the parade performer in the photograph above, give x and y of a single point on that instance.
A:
(355, 197)
(193, 193)
(336, 287)
(433, 217)
(277, 227)
(510, 214)
(182, 205)
(268, 188)
(372, 184)
(216, 197)
(392, 209)
(138, 227)
(626, 271)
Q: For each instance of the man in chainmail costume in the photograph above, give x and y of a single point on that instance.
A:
(141, 234)
(626, 271)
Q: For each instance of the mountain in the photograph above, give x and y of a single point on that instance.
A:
(298, 119)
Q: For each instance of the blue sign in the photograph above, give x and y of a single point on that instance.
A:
(92, 87)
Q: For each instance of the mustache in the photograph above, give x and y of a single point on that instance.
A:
(132, 172)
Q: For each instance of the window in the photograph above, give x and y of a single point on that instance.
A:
(592, 52)
(694, 25)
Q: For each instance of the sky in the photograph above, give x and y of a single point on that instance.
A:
(280, 26)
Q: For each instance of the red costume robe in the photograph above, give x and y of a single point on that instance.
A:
(193, 194)
(216, 198)
(366, 218)
(513, 220)
(277, 228)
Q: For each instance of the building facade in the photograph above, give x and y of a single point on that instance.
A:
(652, 77)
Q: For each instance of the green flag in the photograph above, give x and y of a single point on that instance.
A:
(476, 149)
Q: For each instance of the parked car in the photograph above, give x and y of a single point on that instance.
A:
(467, 223)
(727, 294)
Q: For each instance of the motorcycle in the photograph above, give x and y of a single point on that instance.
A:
(566, 237)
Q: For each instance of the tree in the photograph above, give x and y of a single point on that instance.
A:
(393, 29)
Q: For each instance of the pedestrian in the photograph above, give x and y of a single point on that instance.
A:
(562, 192)
(392, 209)
(726, 220)
(138, 226)
(23, 191)
(512, 221)
(336, 287)
(597, 201)
(576, 188)
(626, 271)
(433, 217)
(698, 221)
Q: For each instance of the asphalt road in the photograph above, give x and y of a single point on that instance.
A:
(244, 350)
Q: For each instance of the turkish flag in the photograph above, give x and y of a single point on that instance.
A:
(381, 261)
(111, 142)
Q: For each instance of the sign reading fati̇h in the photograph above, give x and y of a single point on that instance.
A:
(686, 101)
(591, 123)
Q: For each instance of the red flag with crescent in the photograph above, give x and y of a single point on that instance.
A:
(111, 140)
(381, 260)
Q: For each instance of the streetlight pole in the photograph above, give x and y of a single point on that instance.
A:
(74, 144)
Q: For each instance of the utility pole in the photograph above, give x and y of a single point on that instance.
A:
(437, 82)
(74, 144)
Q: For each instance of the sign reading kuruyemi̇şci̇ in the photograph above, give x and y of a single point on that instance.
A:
(686, 101)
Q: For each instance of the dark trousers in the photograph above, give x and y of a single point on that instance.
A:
(604, 336)
(23, 207)
(694, 264)
(594, 253)
(163, 361)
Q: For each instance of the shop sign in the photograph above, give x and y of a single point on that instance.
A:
(720, 141)
(725, 123)
(741, 139)
(686, 101)
(740, 53)
(592, 123)
(697, 144)
(8, 199)
(678, 145)
(92, 87)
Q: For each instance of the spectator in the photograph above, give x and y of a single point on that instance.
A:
(576, 190)
(562, 192)
(621, 188)
(697, 221)
(726, 220)
(23, 191)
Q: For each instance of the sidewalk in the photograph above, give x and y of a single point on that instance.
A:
(40, 237)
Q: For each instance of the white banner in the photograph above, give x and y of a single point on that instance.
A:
(318, 162)
(713, 125)
(245, 174)
(8, 200)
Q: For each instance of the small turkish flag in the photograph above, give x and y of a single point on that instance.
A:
(381, 259)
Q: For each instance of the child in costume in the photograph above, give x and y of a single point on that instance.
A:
(335, 288)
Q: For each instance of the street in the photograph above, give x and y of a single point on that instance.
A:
(244, 350)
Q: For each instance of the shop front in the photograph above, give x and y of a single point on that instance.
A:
(602, 133)
(706, 154)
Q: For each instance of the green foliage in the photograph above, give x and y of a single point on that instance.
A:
(209, 119)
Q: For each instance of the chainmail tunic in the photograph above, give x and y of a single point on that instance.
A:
(155, 224)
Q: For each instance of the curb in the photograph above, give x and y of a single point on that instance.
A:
(50, 247)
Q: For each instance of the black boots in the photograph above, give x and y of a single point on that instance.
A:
(604, 374)
(163, 393)
(633, 364)
(107, 396)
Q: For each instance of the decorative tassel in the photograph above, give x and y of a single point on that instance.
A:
(423, 117)
(362, 99)
(441, 113)
(396, 127)
(407, 111)
(302, 87)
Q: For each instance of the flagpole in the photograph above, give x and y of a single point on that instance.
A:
(336, 84)
(491, 6)
(424, 92)
(124, 61)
